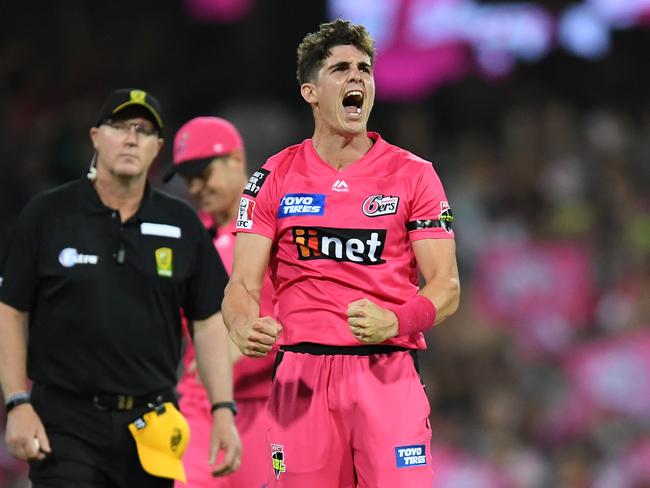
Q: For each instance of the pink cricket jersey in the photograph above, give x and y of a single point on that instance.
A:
(343, 235)
(251, 377)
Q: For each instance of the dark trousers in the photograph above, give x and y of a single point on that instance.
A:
(91, 445)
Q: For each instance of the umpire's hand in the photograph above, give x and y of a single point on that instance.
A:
(25, 435)
(256, 337)
(370, 323)
(224, 437)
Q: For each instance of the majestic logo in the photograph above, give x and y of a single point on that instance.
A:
(181, 144)
(362, 246)
(376, 205)
(164, 257)
(69, 257)
(277, 455)
(446, 216)
(340, 185)
(255, 182)
(407, 456)
(294, 204)
(245, 214)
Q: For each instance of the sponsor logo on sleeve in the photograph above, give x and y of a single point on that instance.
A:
(446, 216)
(70, 257)
(295, 204)
(256, 181)
(377, 205)
(277, 456)
(409, 456)
(444, 220)
(361, 246)
(245, 214)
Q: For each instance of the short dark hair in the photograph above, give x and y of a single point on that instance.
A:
(317, 46)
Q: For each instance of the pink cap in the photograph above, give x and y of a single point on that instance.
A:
(203, 138)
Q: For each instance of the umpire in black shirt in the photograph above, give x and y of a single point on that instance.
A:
(97, 276)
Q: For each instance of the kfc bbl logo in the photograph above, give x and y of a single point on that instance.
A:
(245, 216)
(277, 455)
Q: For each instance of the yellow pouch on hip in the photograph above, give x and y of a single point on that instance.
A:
(161, 437)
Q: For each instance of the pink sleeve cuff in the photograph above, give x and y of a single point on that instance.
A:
(416, 315)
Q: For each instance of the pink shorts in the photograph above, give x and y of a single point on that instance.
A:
(349, 421)
(252, 426)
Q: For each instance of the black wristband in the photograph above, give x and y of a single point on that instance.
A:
(232, 406)
(15, 400)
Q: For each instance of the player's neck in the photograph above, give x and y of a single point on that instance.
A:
(340, 151)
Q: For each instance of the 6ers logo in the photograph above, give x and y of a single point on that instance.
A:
(376, 205)
(362, 246)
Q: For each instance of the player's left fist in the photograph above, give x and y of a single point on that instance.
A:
(370, 323)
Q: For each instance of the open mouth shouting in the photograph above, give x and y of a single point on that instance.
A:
(353, 103)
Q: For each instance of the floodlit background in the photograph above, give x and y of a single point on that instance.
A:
(537, 118)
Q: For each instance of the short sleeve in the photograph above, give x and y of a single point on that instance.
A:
(431, 216)
(257, 212)
(19, 266)
(207, 282)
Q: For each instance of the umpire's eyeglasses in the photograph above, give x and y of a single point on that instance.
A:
(125, 126)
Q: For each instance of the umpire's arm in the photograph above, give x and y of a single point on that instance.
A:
(215, 369)
(25, 435)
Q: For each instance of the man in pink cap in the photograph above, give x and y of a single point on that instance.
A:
(209, 155)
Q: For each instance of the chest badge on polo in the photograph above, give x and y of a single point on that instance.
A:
(164, 261)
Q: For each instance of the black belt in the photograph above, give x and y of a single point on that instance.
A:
(322, 349)
(115, 401)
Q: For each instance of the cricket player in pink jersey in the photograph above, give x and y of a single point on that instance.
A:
(209, 154)
(344, 221)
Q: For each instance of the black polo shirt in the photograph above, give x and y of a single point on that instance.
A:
(105, 297)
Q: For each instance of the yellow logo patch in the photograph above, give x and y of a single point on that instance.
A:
(138, 96)
(164, 261)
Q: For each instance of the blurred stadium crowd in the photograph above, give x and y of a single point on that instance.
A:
(541, 379)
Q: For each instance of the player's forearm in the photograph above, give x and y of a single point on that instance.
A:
(239, 305)
(235, 353)
(444, 293)
(13, 350)
(212, 347)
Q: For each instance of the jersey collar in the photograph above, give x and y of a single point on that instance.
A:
(94, 205)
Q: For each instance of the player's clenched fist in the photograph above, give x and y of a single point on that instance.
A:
(370, 323)
(256, 337)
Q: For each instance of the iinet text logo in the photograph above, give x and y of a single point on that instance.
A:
(340, 185)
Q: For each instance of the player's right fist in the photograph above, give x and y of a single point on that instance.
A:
(256, 338)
